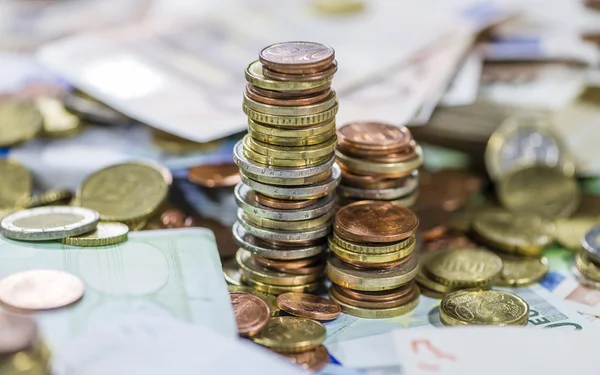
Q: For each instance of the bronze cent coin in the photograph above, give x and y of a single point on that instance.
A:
(373, 221)
(308, 306)
(286, 264)
(312, 360)
(376, 296)
(173, 218)
(17, 333)
(374, 136)
(413, 293)
(297, 57)
(252, 314)
(308, 77)
(406, 154)
(289, 94)
(215, 175)
(287, 101)
(360, 264)
(282, 204)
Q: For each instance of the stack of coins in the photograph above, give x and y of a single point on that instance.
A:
(378, 162)
(587, 261)
(22, 352)
(287, 168)
(371, 267)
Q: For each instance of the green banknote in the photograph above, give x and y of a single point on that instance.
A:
(173, 274)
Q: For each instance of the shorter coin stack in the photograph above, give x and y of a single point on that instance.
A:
(371, 267)
(22, 351)
(379, 162)
(587, 261)
(287, 168)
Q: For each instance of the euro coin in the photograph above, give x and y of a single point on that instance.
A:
(483, 307)
(15, 184)
(300, 132)
(262, 274)
(296, 152)
(373, 248)
(280, 289)
(351, 256)
(586, 267)
(252, 314)
(106, 233)
(591, 243)
(254, 75)
(520, 271)
(371, 313)
(297, 57)
(571, 231)
(308, 306)
(19, 122)
(50, 197)
(464, 267)
(351, 277)
(305, 110)
(286, 334)
(291, 120)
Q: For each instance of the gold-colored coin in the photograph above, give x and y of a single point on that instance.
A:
(280, 289)
(286, 334)
(539, 190)
(289, 152)
(339, 7)
(304, 110)
(587, 268)
(569, 232)
(106, 233)
(58, 122)
(15, 184)
(270, 299)
(288, 225)
(366, 248)
(362, 312)
(464, 267)
(254, 75)
(310, 180)
(350, 256)
(19, 122)
(34, 360)
(256, 272)
(423, 278)
(50, 197)
(369, 167)
(291, 121)
(292, 142)
(518, 271)
(407, 201)
(483, 307)
(126, 192)
(135, 225)
(285, 163)
(301, 132)
(524, 234)
(351, 277)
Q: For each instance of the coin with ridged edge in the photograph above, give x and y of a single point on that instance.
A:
(297, 57)
(591, 243)
(266, 275)
(291, 121)
(279, 289)
(286, 236)
(106, 233)
(349, 255)
(286, 334)
(362, 312)
(464, 267)
(483, 307)
(254, 75)
(308, 306)
(370, 279)
(373, 248)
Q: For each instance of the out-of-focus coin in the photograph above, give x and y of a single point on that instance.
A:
(173, 218)
(40, 289)
(92, 110)
(588, 269)
(15, 184)
(286, 334)
(337, 7)
(58, 122)
(297, 57)
(232, 273)
(449, 189)
(423, 278)
(374, 136)
(106, 233)
(308, 306)
(377, 313)
(521, 271)
(270, 299)
(252, 314)
(371, 221)
(287, 264)
(312, 360)
(125, 192)
(19, 121)
(254, 75)
(591, 243)
(464, 267)
(368, 279)
(17, 333)
(50, 197)
(215, 175)
(483, 307)
(291, 120)
(49, 223)
(569, 232)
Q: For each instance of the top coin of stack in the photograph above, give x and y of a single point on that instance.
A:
(379, 162)
(287, 167)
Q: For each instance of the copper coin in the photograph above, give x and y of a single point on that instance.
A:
(289, 94)
(17, 333)
(308, 306)
(373, 182)
(353, 150)
(282, 204)
(409, 297)
(312, 360)
(375, 135)
(288, 102)
(173, 218)
(449, 189)
(297, 57)
(359, 264)
(433, 221)
(315, 268)
(378, 296)
(215, 175)
(373, 221)
(449, 240)
(286, 244)
(344, 167)
(252, 314)
(286, 264)
(406, 154)
(308, 77)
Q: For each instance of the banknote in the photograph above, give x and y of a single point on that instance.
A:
(465, 84)
(171, 273)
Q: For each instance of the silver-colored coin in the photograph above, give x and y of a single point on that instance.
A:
(408, 188)
(297, 192)
(252, 167)
(267, 250)
(310, 180)
(231, 272)
(49, 223)
(584, 280)
(591, 243)
(256, 272)
(286, 236)
(246, 201)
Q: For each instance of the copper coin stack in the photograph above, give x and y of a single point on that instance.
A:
(378, 162)
(287, 167)
(372, 267)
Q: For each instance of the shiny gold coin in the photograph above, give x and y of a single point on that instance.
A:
(483, 307)
(587, 268)
(539, 190)
(569, 232)
(520, 271)
(15, 184)
(355, 278)
(284, 163)
(369, 167)
(291, 121)
(254, 75)
(50, 197)
(524, 234)
(362, 312)
(286, 334)
(351, 256)
(58, 122)
(288, 225)
(425, 280)
(19, 122)
(299, 132)
(299, 152)
(125, 192)
(304, 110)
(464, 267)
(106, 233)
(292, 142)
(310, 180)
(270, 299)
(280, 289)
(256, 272)
(367, 248)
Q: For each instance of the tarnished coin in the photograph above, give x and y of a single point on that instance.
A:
(312, 360)
(286, 334)
(215, 175)
(372, 221)
(40, 289)
(49, 223)
(106, 233)
(308, 306)
(591, 243)
(50, 197)
(518, 271)
(125, 192)
(17, 333)
(254, 75)
(15, 184)
(252, 314)
(297, 57)
(464, 267)
(483, 307)
(571, 231)
(351, 277)
(19, 122)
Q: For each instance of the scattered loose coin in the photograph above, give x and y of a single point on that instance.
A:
(106, 233)
(15, 184)
(18, 333)
(19, 122)
(50, 197)
(291, 334)
(252, 314)
(591, 243)
(215, 175)
(312, 360)
(40, 289)
(308, 306)
(464, 267)
(521, 271)
(57, 121)
(570, 232)
(449, 189)
(49, 223)
(483, 307)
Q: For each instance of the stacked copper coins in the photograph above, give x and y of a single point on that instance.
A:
(379, 162)
(287, 167)
(372, 267)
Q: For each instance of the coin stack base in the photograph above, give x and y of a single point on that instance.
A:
(587, 260)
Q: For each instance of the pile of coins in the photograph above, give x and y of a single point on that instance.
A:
(21, 349)
(371, 267)
(587, 261)
(378, 162)
(287, 168)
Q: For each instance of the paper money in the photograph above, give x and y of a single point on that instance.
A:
(465, 85)
(172, 273)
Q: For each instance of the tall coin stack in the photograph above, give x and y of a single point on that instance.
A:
(379, 162)
(372, 267)
(287, 167)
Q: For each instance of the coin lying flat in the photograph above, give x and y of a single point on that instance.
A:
(214, 175)
(483, 307)
(291, 335)
(308, 306)
(231, 272)
(270, 299)
(252, 314)
(15, 184)
(297, 57)
(106, 233)
(520, 271)
(40, 289)
(370, 279)
(19, 121)
(312, 360)
(591, 243)
(53, 197)
(16, 333)
(464, 267)
(49, 223)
